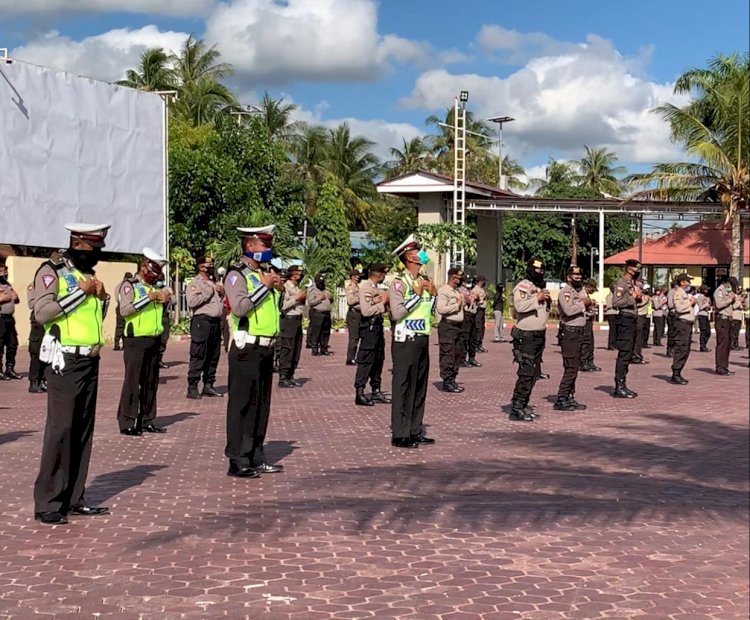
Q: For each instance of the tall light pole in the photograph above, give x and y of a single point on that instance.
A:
(500, 120)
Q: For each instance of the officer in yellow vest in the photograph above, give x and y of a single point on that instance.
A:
(253, 292)
(142, 307)
(411, 296)
(71, 304)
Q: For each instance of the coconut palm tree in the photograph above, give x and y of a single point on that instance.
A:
(413, 156)
(203, 100)
(308, 151)
(556, 173)
(598, 171)
(714, 128)
(278, 118)
(441, 144)
(195, 62)
(154, 72)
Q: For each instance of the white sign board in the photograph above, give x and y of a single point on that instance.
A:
(77, 150)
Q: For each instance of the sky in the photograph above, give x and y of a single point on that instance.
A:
(572, 73)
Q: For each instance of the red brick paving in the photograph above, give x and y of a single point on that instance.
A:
(631, 509)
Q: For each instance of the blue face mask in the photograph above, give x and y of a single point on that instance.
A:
(423, 258)
(261, 257)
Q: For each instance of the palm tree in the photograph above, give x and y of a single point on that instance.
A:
(556, 173)
(441, 145)
(308, 152)
(598, 170)
(153, 73)
(203, 100)
(194, 62)
(714, 129)
(514, 173)
(413, 156)
(278, 118)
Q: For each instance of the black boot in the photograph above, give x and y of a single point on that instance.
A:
(192, 392)
(456, 387)
(362, 400)
(35, 387)
(10, 373)
(315, 351)
(563, 404)
(378, 397)
(208, 390)
(621, 391)
(448, 386)
(678, 379)
(518, 413)
(575, 404)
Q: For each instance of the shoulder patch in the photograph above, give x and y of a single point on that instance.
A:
(398, 285)
(232, 279)
(522, 293)
(47, 280)
(126, 288)
(193, 287)
(567, 296)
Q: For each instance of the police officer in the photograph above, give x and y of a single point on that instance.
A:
(8, 334)
(658, 302)
(703, 302)
(166, 321)
(737, 316)
(205, 299)
(587, 346)
(119, 320)
(683, 327)
(411, 296)
(498, 305)
(609, 314)
(450, 312)
(641, 331)
(625, 300)
(573, 304)
(481, 317)
(353, 316)
(469, 327)
(373, 304)
(724, 297)
(142, 306)
(670, 318)
(253, 292)
(290, 338)
(531, 303)
(319, 300)
(71, 304)
(37, 384)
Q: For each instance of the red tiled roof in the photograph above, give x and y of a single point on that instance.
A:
(703, 243)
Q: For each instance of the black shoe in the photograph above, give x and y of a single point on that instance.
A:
(378, 397)
(724, 372)
(130, 432)
(678, 380)
(35, 388)
(327, 353)
(242, 472)
(586, 369)
(575, 404)
(421, 439)
(351, 363)
(449, 386)
(362, 399)
(267, 468)
(208, 390)
(315, 352)
(542, 375)
(474, 363)
(51, 518)
(593, 368)
(285, 383)
(530, 411)
(404, 442)
(193, 393)
(89, 511)
(520, 416)
(117, 348)
(150, 428)
(43, 385)
(704, 350)
(481, 349)
(457, 388)
(622, 391)
(562, 404)
(10, 373)
(294, 382)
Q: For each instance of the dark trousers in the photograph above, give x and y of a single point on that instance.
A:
(320, 330)
(290, 345)
(164, 338)
(371, 354)
(36, 366)
(68, 435)
(670, 330)
(225, 331)
(119, 328)
(658, 330)
(572, 351)
(411, 369)
(625, 344)
(249, 404)
(449, 333)
(138, 396)
(528, 347)
(641, 336)
(704, 326)
(587, 343)
(469, 330)
(8, 340)
(734, 332)
(353, 319)
(747, 333)
(683, 332)
(723, 342)
(205, 349)
(479, 322)
(612, 335)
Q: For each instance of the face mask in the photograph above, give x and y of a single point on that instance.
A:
(577, 284)
(209, 271)
(159, 284)
(423, 258)
(261, 257)
(85, 260)
(321, 286)
(3, 279)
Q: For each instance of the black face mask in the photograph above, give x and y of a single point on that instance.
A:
(85, 260)
(577, 285)
(321, 286)
(536, 277)
(3, 279)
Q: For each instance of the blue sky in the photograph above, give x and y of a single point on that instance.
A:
(571, 72)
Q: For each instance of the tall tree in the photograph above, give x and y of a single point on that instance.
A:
(599, 172)
(154, 72)
(278, 118)
(478, 142)
(307, 150)
(557, 173)
(332, 233)
(413, 156)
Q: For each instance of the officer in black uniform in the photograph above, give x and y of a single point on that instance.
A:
(72, 304)
(625, 300)
(573, 303)
(373, 304)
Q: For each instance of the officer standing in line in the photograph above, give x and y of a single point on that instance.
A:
(683, 326)
(205, 299)
(609, 314)
(587, 346)
(373, 304)
(641, 333)
(411, 297)
(670, 319)
(290, 338)
(737, 316)
(119, 320)
(353, 316)
(724, 297)
(8, 334)
(531, 303)
(253, 291)
(37, 384)
(319, 301)
(625, 299)
(469, 328)
(72, 304)
(481, 316)
(166, 320)
(703, 301)
(658, 301)
(450, 312)
(142, 306)
(498, 305)
(573, 304)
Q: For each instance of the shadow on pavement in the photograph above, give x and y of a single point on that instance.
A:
(109, 485)
(13, 436)
(278, 450)
(175, 418)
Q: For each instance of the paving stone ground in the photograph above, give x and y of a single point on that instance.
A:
(631, 509)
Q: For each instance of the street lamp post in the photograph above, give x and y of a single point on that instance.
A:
(500, 120)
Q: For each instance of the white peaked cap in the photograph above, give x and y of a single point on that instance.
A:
(258, 230)
(90, 233)
(154, 256)
(409, 244)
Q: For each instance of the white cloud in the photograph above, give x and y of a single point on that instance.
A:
(589, 95)
(160, 7)
(103, 57)
(313, 40)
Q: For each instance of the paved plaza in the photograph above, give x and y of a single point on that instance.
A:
(631, 509)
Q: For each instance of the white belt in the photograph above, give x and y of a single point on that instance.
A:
(261, 341)
(84, 351)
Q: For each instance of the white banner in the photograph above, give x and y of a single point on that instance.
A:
(77, 150)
